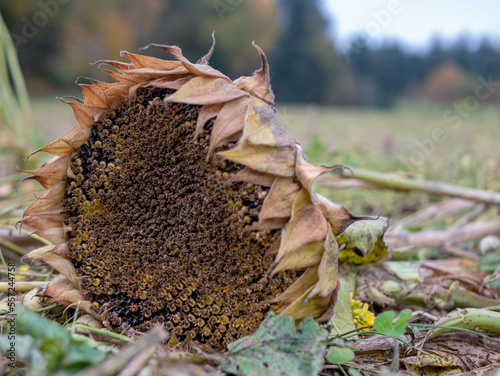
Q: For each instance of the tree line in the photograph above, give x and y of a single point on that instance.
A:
(56, 39)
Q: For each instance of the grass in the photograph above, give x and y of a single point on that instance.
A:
(399, 140)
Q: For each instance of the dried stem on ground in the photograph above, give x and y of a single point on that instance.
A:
(469, 231)
(373, 179)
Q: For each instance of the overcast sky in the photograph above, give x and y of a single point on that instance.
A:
(414, 22)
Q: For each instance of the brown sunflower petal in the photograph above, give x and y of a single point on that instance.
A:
(229, 123)
(299, 259)
(173, 82)
(308, 279)
(307, 173)
(52, 196)
(53, 235)
(86, 115)
(207, 112)
(274, 248)
(270, 160)
(280, 198)
(315, 306)
(128, 80)
(206, 90)
(51, 172)
(328, 268)
(78, 139)
(93, 95)
(143, 61)
(112, 93)
(196, 69)
(61, 250)
(307, 225)
(248, 175)
(64, 266)
(60, 147)
(205, 59)
(337, 215)
(119, 65)
(64, 291)
(49, 218)
(260, 83)
(262, 127)
(269, 224)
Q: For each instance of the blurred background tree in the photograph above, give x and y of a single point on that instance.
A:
(57, 39)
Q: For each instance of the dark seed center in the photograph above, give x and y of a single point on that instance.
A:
(158, 236)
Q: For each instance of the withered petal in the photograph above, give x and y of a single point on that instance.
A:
(280, 198)
(206, 90)
(259, 84)
(196, 69)
(61, 264)
(53, 235)
(47, 219)
(327, 269)
(207, 112)
(308, 255)
(308, 279)
(60, 147)
(112, 93)
(205, 59)
(307, 225)
(172, 82)
(51, 172)
(144, 61)
(52, 196)
(262, 127)
(314, 307)
(86, 115)
(64, 291)
(337, 215)
(93, 95)
(248, 175)
(307, 173)
(125, 79)
(267, 159)
(229, 123)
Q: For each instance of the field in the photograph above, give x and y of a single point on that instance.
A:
(411, 140)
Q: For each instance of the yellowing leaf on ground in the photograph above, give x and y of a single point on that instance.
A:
(364, 242)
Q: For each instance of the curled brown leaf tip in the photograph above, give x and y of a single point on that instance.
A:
(259, 84)
(206, 58)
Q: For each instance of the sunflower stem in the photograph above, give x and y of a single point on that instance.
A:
(380, 180)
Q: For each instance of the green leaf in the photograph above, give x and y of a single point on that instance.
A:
(365, 234)
(278, 348)
(342, 320)
(26, 349)
(402, 320)
(47, 348)
(364, 242)
(339, 355)
(384, 323)
(354, 372)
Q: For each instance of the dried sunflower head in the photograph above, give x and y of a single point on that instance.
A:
(179, 198)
